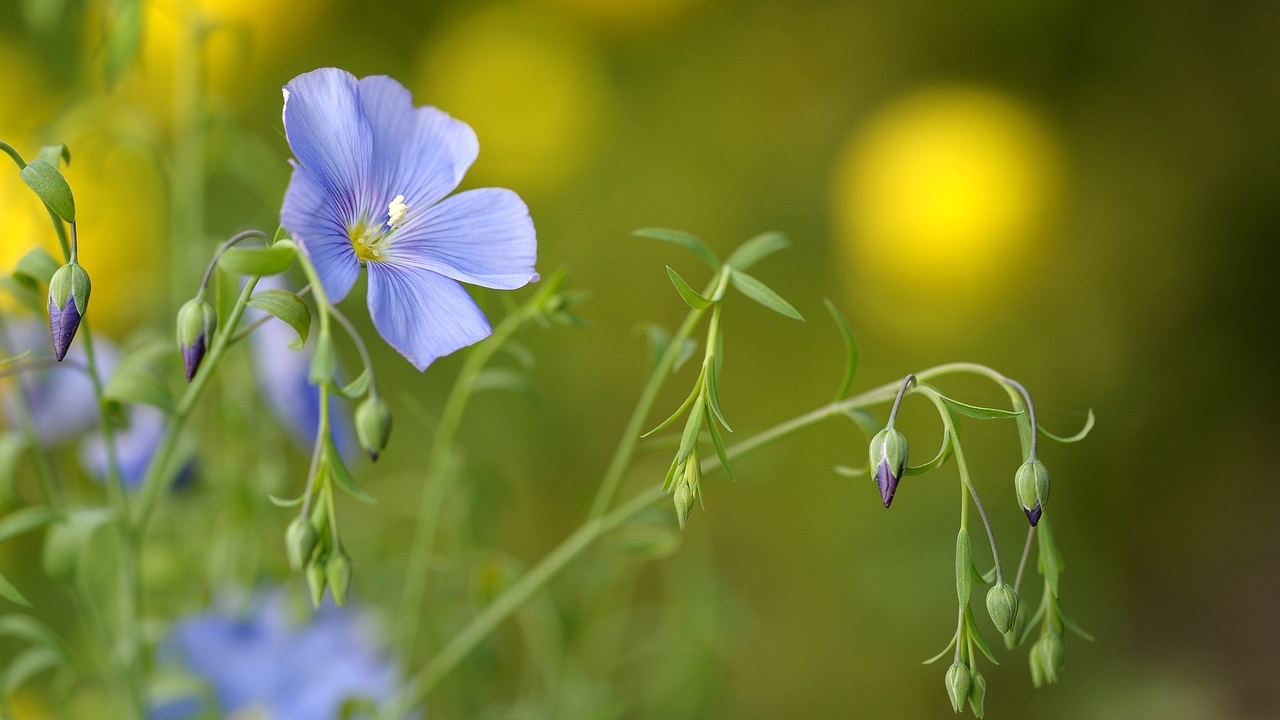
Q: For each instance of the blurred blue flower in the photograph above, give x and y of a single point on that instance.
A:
(368, 188)
(259, 662)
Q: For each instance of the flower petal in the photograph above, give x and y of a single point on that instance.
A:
(421, 153)
(330, 136)
(484, 237)
(421, 314)
(311, 217)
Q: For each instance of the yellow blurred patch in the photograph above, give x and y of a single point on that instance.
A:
(943, 192)
(528, 86)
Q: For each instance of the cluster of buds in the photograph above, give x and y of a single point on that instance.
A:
(686, 486)
(326, 564)
(966, 685)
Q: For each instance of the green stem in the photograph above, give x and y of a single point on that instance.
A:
(435, 482)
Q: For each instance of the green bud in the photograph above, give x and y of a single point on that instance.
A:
(1002, 606)
(373, 425)
(68, 301)
(337, 572)
(316, 579)
(958, 686)
(684, 497)
(977, 693)
(1046, 659)
(300, 541)
(1032, 484)
(888, 461)
(196, 321)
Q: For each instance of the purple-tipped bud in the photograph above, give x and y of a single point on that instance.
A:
(196, 319)
(1032, 484)
(373, 425)
(888, 461)
(68, 300)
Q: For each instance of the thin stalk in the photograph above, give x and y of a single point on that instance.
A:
(1026, 553)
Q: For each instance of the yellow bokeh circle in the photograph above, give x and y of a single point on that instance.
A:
(944, 191)
(529, 87)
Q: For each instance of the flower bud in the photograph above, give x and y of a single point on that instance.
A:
(888, 461)
(68, 300)
(977, 693)
(196, 320)
(1032, 484)
(373, 425)
(316, 579)
(683, 497)
(300, 541)
(1046, 659)
(1002, 606)
(337, 571)
(958, 685)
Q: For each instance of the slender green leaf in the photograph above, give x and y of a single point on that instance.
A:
(15, 358)
(718, 443)
(689, 438)
(690, 296)
(25, 627)
(976, 635)
(975, 411)
(687, 347)
(10, 593)
(343, 476)
(1032, 624)
(866, 421)
(522, 354)
(713, 394)
(257, 261)
(679, 411)
(850, 349)
(671, 475)
(288, 307)
(1049, 560)
(756, 249)
(1084, 431)
(358, 387)
(286, 502)
(942, 654)
(762, 294)
(1071, 624)
(500, 378)
(684, 240)
(944, 453)
(849, 472)
(49, 184)
(28, 664)
(25, 520)
(55, 154)
(964, 567)
(987, 577)
(37, 266)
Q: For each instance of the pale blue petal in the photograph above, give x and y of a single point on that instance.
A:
(484, 237)
(421, 314)
(311, 217)
(329, 135)
(421, 153)
(135, 445)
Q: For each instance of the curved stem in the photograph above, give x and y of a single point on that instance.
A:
(232, 242)
(361, 348)
(1026, 553)
(907, 384)
(1031, 414)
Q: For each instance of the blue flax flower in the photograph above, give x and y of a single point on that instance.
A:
(262, 661)
(369, 188)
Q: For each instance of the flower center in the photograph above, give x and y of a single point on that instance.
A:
(371, 243)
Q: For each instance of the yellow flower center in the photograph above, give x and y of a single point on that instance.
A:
(371, 243)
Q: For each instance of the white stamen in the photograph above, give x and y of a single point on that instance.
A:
(396, 212)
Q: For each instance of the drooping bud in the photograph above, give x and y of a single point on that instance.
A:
(68, 300)
(1032, 484)
(977, 693)
(373, 425)
(683, 497)
(1002, 606)
(196, 321)
(888, 461)
(337, 571)
(1046, 659)
(316, 579)
(300, 541)
(958, 685)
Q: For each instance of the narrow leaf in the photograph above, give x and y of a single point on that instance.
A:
(762, 294)
(1048, 555)
(942, 654)
(55, 154)
(28, 664)
(975, 411)
(257, 261)
(10, 593)
(679, 411)
(25, 520)
(1066, 620)
(976, 635)
(692, 427)
(718, 443)
(499, 378)
(343, 476)
(49, 184)
(846, 471)
(964, 566)
(1084, 431)
(288, 307)
(25, 627)
(690, 296)
(756, 249)
(850, 349)
(944, 453)
(713, 394)
(356, 389)
(285, 502)
(684, 240)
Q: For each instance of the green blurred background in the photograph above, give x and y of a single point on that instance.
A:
(1081, 194)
